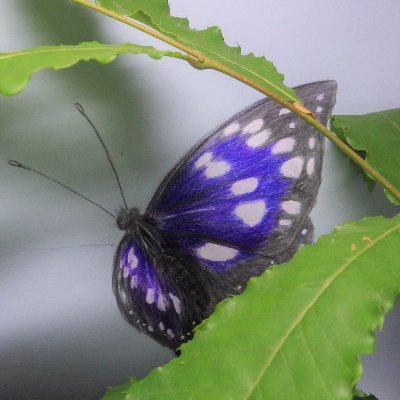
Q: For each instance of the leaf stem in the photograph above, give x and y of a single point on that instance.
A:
(200, 61)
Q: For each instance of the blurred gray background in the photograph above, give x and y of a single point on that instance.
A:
(61, 335)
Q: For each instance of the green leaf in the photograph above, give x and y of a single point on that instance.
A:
(16, 68)
(208, 42)
(377, 136)
(298, 330)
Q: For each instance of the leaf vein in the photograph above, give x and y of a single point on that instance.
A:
(390, 121)
(318, 368)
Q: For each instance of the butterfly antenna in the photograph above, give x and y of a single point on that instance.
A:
(83, 113)
(19, 165)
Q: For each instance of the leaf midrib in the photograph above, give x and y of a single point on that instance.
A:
(313, 300)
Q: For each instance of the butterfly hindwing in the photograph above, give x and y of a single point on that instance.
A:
(162, 293)
(145, 298)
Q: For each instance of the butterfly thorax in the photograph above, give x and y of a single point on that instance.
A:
(140, 227)
(127, 218)
(130, 219)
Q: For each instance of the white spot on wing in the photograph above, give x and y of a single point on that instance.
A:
(126, 272)
(284, 111)
(310, 166)
(150, 296)
(319, 109)
(161, 303)
(216, 252)
(161, 326)
(150, 328)
(132, 259)
(203, 160)
(304, 231)
(311, 142)
(218, 168)
(292, 125)
(321, 96)
(244, 186)
(254, 126)
(134, 281)
(292, 168)
(285, 222)
(122, 294)
(283, 146)
(251, 213)
(176, 302)
(231, 129)
(170, 333)
(291, 206)
(259, 139)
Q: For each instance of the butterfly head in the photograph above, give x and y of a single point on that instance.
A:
(128, 218)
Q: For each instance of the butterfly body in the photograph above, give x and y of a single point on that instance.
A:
(238, 202)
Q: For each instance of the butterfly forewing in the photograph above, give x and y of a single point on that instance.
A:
(249, 187)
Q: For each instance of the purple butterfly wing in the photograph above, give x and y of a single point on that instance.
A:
(163, 296)
(246, 191)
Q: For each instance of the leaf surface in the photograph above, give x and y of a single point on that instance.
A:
(298, 330)
(377, 135)
(208, 42)
(16, 68)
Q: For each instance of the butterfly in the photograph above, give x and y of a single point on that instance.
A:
(237, 203)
